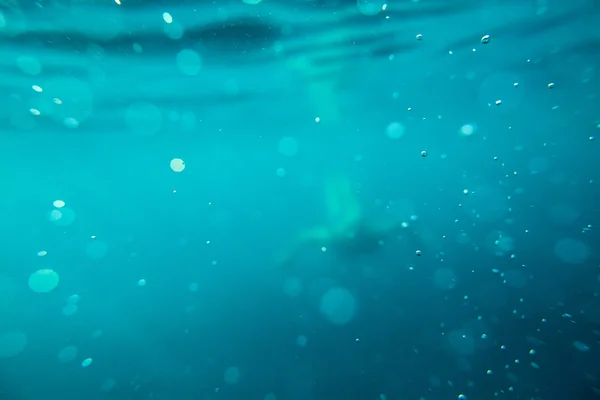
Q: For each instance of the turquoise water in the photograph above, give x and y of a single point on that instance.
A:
(304, 200)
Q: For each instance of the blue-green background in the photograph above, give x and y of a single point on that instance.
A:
(267, 72)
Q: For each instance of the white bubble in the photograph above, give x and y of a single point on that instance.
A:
(288, 146)
(67, 354)
(232, 375)
(12, 343)
(292, 287)
(167, 18)
(467, 130)
(499, 85)
(444, 278)
(571, 251)
(143, 118)
(189, 62)
(142, 282)
(395, 130)
(42, 253)
(86, 362)
(338, 305)
(43, 281)
(177, 165)
(96, 249)
(58, 204)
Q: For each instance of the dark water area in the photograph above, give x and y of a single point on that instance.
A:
(299, 200)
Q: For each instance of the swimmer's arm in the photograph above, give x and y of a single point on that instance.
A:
(319, 235)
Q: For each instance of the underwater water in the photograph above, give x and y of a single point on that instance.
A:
(299, 200)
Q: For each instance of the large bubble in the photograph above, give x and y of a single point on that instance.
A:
(43, 281)
(189, 62)
(232, 375)
(571, 251)
(12, 343)
(288, 146)
(67, 354)
(394, 130)
(62, 217)
(338, 305)
(29, 65)
(143, 118)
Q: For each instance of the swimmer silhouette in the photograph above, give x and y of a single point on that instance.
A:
(348, 233)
